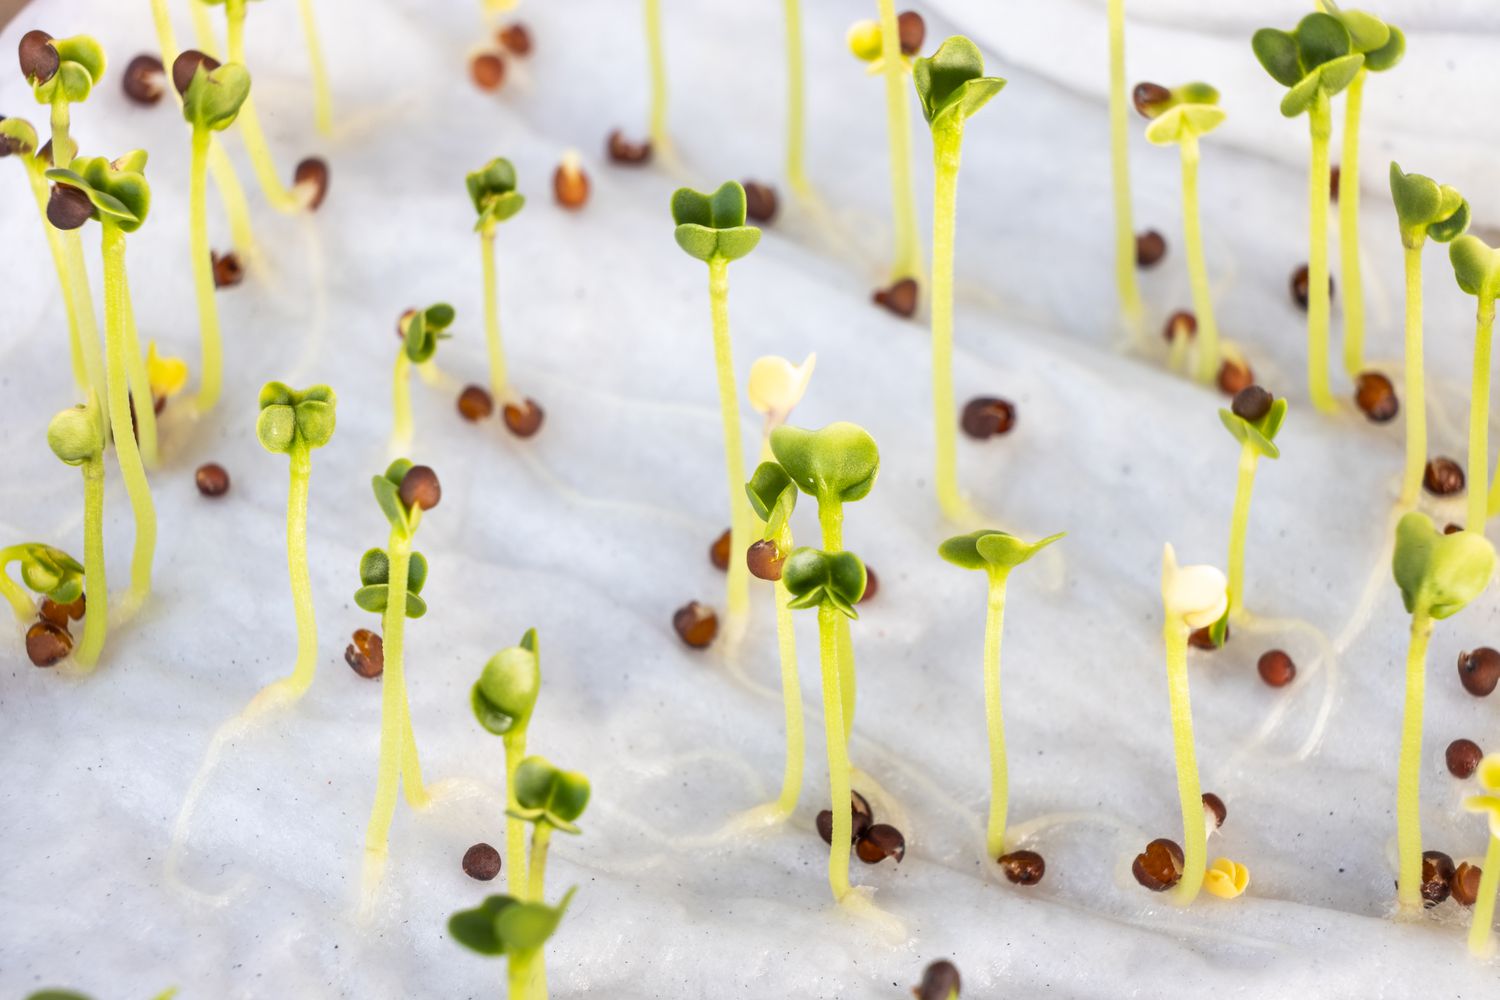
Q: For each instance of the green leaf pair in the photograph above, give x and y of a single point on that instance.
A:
(1439, 574)
(773, 497)
(51, 572)
(995, 552)
(1316, 59)
(1381, 44)
(17, 138)
(505, 694)
(835, 464)
(75, 435)
(951, 83)
(1476, 265)
(1426, 208)
(713, 226)
(289, 417)
(816, 578)
(504, 925)
(1191, 110)
(1259, 434)
(492, 189)
(387, 489)
(375, 576)
(424, 329)
(118, 191)
(80, 65)
(214, 93)
(546, 794)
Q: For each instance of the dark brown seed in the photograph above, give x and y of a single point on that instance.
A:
(570, 185)
(881, 841)
(212, 480)
(61, 614)
(1444, 477)
(985, 416)
(1479, 671)
(1465, 883)
(1181, 323)
(872, 586)
(516, 38)
(622, 150)
(1462, 757)
(1150, 99)
(1215, 805)
(228, 271)
(1299, 286)
(46, 644)
(1452, 529)
(39, 58)
(1333, 182)
(696, 624)
(1376, 397)
(1251, 403)
(760, 201)
(68, 207)
(482, 862)
(475, 403)
(1023, 867)
(1234, 376)
(1159, 866)
(1150, 248)
(1276, 668)
(899, 298)
(765, 560)
(718, 552)
(311, 182)
(366, 654)
(912, 31)
(143, 80)
(523, 419)
(45, 153)
(487, 70)
(939, 982)
(185, 67)
(1437, 877)
(860, 818)
(420, 488)
(1202, 638)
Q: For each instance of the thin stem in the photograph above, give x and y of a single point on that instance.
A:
(1318, 385)
(536, 869)
(738, 585)
(322, 102)
(392, 687)
(1119, 146)
(401, 402)
(36, 175)
(296, 561)
(1479, 416)
(203, 272)
(657, 59)
(63, 147)
(1484, 903)
(499, 381)
(412, 786)
(796, 97)
(1354, 289)
(1414, 385)
(20, 600)
(838, 755)
(994, 719)
(908, 262)
(140, 386)
(280, 197)
(1408, 780)
(1192, 237)
(1239, 522)
(132, 470)
(945, 147)
(203, 30)
(77, 288)
(95, 587)
(515, 829)
(831, 523)
(1189, 793)
(519, 974)
(791, 700)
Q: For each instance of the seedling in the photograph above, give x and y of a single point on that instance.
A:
(1486, 804)
(1190, 111)
(997, 553)
(212, 96)
(1423, 208)
(492, 189)
(711, 228)
(1382, 45)
(503, 700)
(1192, 597)
(422, 331)
(879, 45)
(1438, 575)
(832, 582)
(118, 197)
(661, 139)
(1315, 62)
(1477, 268)
(796, 97)
(45, 570)
(1119, 157)
(1253, 420)
(77, 438)
(952, 86)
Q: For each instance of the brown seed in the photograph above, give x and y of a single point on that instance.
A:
(899, 298)
(718, 552)
(1150, 248)
(420, 488)
(1150, 99)
(622, 150)
(523, 419)
(1462, 757)
(1276, 668)
(475, 403)
(185, 67)
(1333, 182)
(1159, 866)
(1202, 638)
(516, 38)
(860, 818)
(765, 560)
(1215, 805)
(1437, 877)
(310, 180)
(939, 982)
(570, 185)
(872, 586)
(1376, 397)
(1452, 529)
(1234, 376)
(985, 416)
(1465, 883)
(912, 31)
(1251, 403)
(1023, 867)
(46, 644)
(53, 613)
(144, 79)
(881, 841)
(212, 480)
(696, 624)
(228, 271)
(366, 654)
(1443, 477)
(1181, 323)
(482, 862)
(1479, 671)
(68, 207)
(760, 201)
(1299, 286)
(487, 69)
(39, 58)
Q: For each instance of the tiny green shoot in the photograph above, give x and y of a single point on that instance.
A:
(76, 437)
(47, 571)
(1476, 265)
(421, 333)
(1119, 148)
(503, 699)
(1486, 804)
(492, 189)
(1256, 434)
(870, 42)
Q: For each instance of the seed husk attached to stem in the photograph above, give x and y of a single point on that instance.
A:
(144, 80)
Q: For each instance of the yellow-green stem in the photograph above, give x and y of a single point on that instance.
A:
(520, 976)
(140, 386)
(994, 718)
(296, 561)
(838, 754)
(1119, 145)
(63, 147)
(796, 97)
(657, 59)
(322, 102)
(831, 523)
(1484, 903)
(280, 197)
(412, 786)
(499, 380)
(1239, 522)
(515, 829)
(946, 144)
(1192, 238)
(203, 272)
(1349, 275)
(1479, 417)
(203, 29)
(536, 868)
(95, 587)
(737, 599)
(1409, 776)
(791, 698)
(394, 723)
(898, 121)
(1414, 386)
(35, 174)
(1189, 792)
(1318, 385)
(401, 402)
(21, 602)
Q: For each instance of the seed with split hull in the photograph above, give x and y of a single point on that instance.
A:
(880, 841)
(1376, 397)
(1202, 638)
(516, 38)
(570, 185)
(1479, 671)
(1276, 668)
(718, 552)
(1159, 866)
(860, 819)
(1180, 324)
(482, 862)
(696, 624)
(186, 66)
(760, 201)
(1462, 757)
(1234, 376)
(1465, 883)
(228, 271)
(68, 207)
(985, 416)
(487, 70)
(1437, 877)
(939, 982)
(366, 654)
(1443, 477)
(912, 31)
(523, 419)
(765, 560)
(1150, 248)
(1251, 403)
(622, 150)
(1023, 867)
(212, 479)
(1215, 809)
(311, 181)
(475, 403)
(47, 645)
(61, 614)
(39, 58)
(899, 298)
(1150, 99)
(144, 79)
(420, 488)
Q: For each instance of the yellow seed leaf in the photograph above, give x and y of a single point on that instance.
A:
(1226, 879)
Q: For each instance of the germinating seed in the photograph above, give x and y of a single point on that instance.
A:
(46, 644)
(475, 403)
(1376, 397)
(1437, 877)
(212, 479)
(144, 80)
(985, 416)
(1444, 477)
(696, 624)
(523, 419)
(1462, 757)
(1023, 867)
(622, 150)
(1479, 671)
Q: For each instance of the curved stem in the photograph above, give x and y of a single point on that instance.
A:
(296, 561)
(1354, 289)
(499, 380)
(1414, 382)
(515, 829)
(796, 96)
(791, 699)
(392, 689)
(945, 147)
(1192, 237)
(95, 587)
(1318, 385)
(35, 174)
(536, 869)
(994, 719)
(1409, 776)
(908, 262)
(831, 522)
(1479, 416)
(656, 56)
(1119, 146)
(401, 402)
(838, 755)
(203, 272)
(280, 197)
(322, 102)
(737, 599)
(1484, 904)
(1239, 522)
(1189, 792)
(21, 602)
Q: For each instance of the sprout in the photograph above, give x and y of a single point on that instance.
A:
(661, 140)
(1423, 208)
(61, 71)
(1119, 149)
(322, 101)
(1226, 879)
(952, 86)
(1191, 111)
(1255, 429)
(1315, 62)
(869, 41)
(76, 437)
(503, 699)
(796, 96)
(516, 929)
(492, 189)
(422, 330)
(997, 553)
(1486, 804)
(1476, 265)
(1438, 575)
(46, 571)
